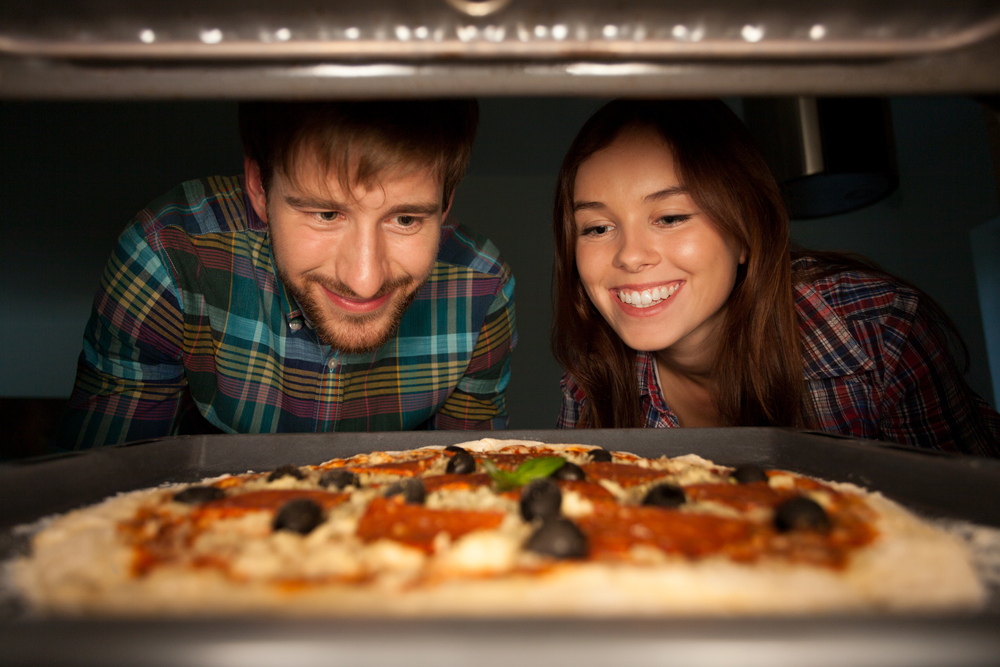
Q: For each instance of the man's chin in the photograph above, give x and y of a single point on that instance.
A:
(364, 334)
(356, 342)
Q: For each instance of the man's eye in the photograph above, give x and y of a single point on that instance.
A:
(327, 216)
(407, 220)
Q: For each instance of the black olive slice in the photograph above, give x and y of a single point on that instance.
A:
(339, 479)
(461, 463)
(285, 471)
(569, 472)
(801, 513)
(196, 495)
(298, 516)
(559, 538)
(540, 498)
(455, 449)
(665, 495)
(600, 456)
(412, 489)
(748, 473)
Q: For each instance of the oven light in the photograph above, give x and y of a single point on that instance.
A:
(212, 36)
(752, 33)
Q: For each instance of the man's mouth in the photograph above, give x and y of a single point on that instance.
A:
(355, 305)
(647, 297)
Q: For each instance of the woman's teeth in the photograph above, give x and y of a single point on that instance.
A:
(647, 298)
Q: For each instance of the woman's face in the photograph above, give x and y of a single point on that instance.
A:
(658, 270)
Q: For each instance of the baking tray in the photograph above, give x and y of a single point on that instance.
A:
(938, 486)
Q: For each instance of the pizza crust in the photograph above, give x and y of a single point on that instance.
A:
(80, 565)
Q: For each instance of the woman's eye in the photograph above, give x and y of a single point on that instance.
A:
(595, 230)
(673, 219)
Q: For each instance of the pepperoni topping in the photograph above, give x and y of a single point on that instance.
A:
(589, 490)
(417, 526)
(509, 462)
(743, 497)
(455, 481)
(623, 474)
(267, 499)
(612, 530)
(402, 468)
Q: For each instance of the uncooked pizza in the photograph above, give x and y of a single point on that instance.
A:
(497, 528)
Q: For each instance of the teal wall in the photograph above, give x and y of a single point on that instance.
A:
(73, 174)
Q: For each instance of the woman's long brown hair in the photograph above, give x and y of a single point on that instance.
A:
(757, 374)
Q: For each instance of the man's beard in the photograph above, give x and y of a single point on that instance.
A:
(353, 334)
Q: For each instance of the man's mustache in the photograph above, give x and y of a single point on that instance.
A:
(341, 289)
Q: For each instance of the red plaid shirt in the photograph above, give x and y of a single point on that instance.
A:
(873, 368)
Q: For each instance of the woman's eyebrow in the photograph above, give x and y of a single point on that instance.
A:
(587, 206)
(673, 191)
(666, 193)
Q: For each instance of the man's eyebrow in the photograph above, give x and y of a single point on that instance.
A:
(666, 193)
(418, 208)
(313, 202)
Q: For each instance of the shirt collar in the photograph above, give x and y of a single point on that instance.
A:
(828, 348)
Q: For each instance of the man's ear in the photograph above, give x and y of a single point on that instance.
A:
(255, 188)
(447, 208)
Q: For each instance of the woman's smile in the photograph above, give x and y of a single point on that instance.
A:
(646, 298)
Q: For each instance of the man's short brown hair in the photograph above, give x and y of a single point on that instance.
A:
(362, 140)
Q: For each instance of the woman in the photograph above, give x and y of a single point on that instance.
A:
(679, 302)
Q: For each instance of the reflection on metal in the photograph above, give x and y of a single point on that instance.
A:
(973, 71)
(478, 7)
(494, 29)
(353, 71)
(812, 140)
(615, 69)
(829, 155)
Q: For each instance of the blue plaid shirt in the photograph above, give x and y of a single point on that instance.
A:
(191, 325)
(872, 366)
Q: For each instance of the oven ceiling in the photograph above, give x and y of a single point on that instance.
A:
(312, 48)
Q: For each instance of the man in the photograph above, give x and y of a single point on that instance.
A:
(327, 290)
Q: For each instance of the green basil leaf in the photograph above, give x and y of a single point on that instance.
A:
(527, 471)
(503, 479)
(540, 467)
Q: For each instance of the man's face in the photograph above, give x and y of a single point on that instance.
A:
(353, 261)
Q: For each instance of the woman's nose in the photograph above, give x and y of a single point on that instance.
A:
(635, 252)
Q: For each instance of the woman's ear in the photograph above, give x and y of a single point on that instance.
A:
(255, 188)
(743, 256)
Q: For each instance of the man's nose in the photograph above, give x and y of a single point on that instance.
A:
(361, 260)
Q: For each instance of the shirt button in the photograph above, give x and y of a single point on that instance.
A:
(294, 326)
(332, 364)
